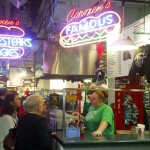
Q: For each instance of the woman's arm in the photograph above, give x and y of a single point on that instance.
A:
(103, 125)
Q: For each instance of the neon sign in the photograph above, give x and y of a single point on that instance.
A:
(73, 14)
(9, 30)
(8, 52)
(89, 30)
(9, 22)
(12, 42)
(9, 41)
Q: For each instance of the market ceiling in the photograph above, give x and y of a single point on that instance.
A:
(34, 15)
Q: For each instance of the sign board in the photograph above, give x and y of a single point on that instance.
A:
(12, 41)
(72, 132)
(119, 63)
(89, 27)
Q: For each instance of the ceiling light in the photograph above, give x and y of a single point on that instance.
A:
(123, 45)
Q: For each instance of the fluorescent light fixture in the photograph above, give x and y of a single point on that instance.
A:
(123, 45)
(57, 84)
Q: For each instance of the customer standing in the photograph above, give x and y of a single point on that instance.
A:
(3, 92)
(8, 117)
(99, 119)
(32, 130)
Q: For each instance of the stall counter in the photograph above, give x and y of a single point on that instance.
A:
(109, 142)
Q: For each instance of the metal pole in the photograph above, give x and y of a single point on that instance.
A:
(64, 110)
(149, 110)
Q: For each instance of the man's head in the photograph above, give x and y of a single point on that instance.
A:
(35, 104)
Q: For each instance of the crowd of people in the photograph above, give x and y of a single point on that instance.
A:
(32, 128)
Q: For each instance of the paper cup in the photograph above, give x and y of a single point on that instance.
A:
(140, 130)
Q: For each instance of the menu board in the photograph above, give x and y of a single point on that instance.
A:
(119, 62)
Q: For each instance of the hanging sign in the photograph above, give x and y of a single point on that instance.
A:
(89, 30)
(4, 71)
(12, 41)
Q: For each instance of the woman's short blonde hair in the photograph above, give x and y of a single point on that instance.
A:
(32, 102)
(102, 94)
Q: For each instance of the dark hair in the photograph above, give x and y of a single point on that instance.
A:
(3, 91)
(8, 108)
(13, 92)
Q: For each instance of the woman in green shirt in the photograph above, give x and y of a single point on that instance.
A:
(100, 118)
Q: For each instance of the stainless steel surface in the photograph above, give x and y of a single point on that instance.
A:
(73, 61)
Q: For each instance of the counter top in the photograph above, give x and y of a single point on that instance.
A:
(111, 140)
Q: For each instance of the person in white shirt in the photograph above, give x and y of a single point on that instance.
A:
(8, 116)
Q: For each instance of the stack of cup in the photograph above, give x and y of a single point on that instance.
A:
(140, 129)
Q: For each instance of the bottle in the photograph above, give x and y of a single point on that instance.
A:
(71, 124)
(81, 126)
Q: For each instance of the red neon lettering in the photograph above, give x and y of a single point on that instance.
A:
(9, 22)
(89, 11)
(82, 13)
(108, 5)
(17, 23)
(94, 9)
(73, 14)
(100, 8)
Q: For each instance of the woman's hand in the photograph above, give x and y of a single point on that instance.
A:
(103, 125)
(76, 114)
(97, 133)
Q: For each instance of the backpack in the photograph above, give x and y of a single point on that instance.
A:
(10, 140)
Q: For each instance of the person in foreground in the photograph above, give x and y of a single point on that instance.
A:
(32, 130)
(8, 117)
(100, 118)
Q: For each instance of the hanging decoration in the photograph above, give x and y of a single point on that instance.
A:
(100, 73)
(100, 49)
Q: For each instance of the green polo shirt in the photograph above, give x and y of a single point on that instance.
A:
(98, 114)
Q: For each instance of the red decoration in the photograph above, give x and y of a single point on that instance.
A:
(100, 49)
